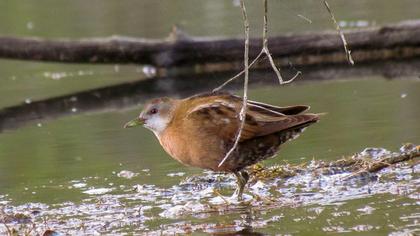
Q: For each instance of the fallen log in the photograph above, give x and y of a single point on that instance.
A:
(395, 41)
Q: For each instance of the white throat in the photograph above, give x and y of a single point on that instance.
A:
(157, 124)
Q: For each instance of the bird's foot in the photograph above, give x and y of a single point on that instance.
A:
(237, 195)
(242, 178)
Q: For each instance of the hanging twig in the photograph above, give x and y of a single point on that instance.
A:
(305, 18)
(343, 39)
(242, 113)
(239, 74)
(265, 51)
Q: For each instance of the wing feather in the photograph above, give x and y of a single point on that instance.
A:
(289, 110)
(218, 114)
(221, 118)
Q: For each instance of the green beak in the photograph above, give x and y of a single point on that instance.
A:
(134, 122)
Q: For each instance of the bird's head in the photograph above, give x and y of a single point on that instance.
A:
(155, 115)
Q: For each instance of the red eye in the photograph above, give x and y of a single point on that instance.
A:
(153, 111)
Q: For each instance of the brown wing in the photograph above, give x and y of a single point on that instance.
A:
(222, 120)
(252, 105)
(218, 114)
(290, 110)
(273, 121)
(287, 123)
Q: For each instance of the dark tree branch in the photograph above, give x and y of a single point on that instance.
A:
(370, 44)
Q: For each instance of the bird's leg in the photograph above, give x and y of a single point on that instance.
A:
(242, 178)
(245, 178)
(238, 180)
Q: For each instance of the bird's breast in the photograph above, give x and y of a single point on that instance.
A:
(174, 145)
(193, 149)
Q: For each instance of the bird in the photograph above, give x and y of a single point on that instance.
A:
(200, 130)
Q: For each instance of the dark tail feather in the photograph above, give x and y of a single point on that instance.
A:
(294, 132)
(290, 110)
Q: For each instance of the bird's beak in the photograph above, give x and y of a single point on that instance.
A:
(135, 122)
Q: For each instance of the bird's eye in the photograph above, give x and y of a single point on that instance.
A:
(153, 111)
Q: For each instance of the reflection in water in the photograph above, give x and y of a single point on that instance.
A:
(244, 232)
(132, 93)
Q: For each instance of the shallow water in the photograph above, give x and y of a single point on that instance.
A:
(82, 172)
(384, 202)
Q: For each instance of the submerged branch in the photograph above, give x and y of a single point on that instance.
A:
(371, 160)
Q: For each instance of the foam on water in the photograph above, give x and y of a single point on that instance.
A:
(189, 204)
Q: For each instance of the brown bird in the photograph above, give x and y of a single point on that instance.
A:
(198, 131)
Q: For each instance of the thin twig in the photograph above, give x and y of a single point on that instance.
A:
(221, 196)
(265, 44)
(340, 32)
(305, 18)
(265, 51)
(28, 231)
(239, 74)
(9, 232)
(242, 113)
(353, 174)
